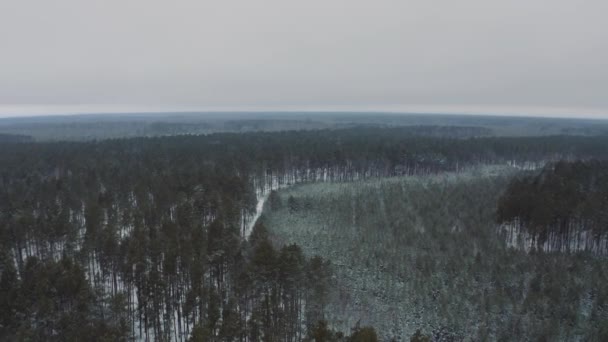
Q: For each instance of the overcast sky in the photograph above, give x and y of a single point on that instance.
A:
(510, 56)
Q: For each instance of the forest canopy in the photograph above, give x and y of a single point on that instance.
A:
(152, 234)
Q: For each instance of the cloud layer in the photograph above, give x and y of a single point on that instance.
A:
(469, 55)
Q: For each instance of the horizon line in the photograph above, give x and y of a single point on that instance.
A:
(38, 111)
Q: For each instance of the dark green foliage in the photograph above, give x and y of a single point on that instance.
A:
(292, 204)
(364, 334)
(320, 332)
(274, 201)
(54, 302)
(565, 199)
(200, 334)
(419, 337)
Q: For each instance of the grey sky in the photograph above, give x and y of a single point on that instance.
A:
(509, 56)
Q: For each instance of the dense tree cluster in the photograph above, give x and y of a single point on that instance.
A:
(161, 235)
(52, 301)
(156, 225)
(563, 208)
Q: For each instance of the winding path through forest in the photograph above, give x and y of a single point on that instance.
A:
(262, 196)
(258, 212)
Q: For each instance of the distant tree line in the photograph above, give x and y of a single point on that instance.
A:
(14, 138)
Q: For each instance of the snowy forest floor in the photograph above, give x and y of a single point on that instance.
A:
(423, 252)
